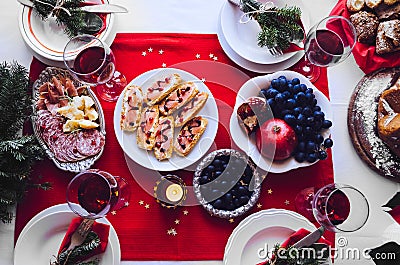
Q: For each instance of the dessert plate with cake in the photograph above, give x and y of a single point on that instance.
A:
(374, 121)
(281, 136)
(166, 119)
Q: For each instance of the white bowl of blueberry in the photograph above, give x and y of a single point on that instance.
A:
(226, 183)
(282, 121)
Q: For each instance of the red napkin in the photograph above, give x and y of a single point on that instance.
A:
(102, 230)
(364, 54)
(295, 237)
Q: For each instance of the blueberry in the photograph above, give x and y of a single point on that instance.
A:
(248, 171)
(282, 84)
(242, 190)
(301, 119)
(300, 98)
(297, 110)
(287, 111)
(319, 139)
(300, 157)
(282, 77)
(303, 88)
(319, 115)
(314, 102)
(271, 93)
(228, 197)
(203, 179)
(244, 199)
(279, 98)
(309, 90)
(307, 111)
(317, 108)
(230, 206)
(275, 83)
(263, 93)
(309, 98)
(310, 146)
(271, 102)
(301, 146)
(298, 129)
(290, 103)
(296, 88)
(310, 121)
(236, 202)
(217, 163)
(317, 125)
(312, 157)
(217, 174)
(322, 155)
(217, 204)
(290, 119)
(286, 94)
(295, 81)
(328, 143)
(308, 131)
(210, 168)
(326, 124)
(290, 88)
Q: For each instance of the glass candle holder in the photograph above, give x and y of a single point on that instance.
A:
(170, 191)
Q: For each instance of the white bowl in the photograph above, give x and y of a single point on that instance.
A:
(247, 144)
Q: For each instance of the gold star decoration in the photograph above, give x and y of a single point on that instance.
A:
(113, 212)
(147, 206)
(172, 232)
(287, 202)
(150, 49)
(198, 56)
(231, 220)
(215, 58)
(160, 52)
(269, 191)
(164, 65)
(141, 202)
(144, 53)
(185, 212)
(177, 221)
(126, 204)
(211, 55)
(259, 205)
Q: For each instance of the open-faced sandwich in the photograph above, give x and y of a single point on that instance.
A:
(132, 105)
(164, 144)
(146, 132)
(177, 98)
(189, 134)
(161, 88)
(188, 111)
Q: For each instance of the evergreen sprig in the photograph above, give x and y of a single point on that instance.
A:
(17, 152)
(74, 21)
(279, 26)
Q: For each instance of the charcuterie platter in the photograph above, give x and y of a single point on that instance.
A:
(67, 120)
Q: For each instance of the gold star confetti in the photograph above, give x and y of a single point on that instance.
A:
(164, 65)
(203, 80)
(177, 221)
(141, 202)
(287, 202)
(211, 55)
(198, 56)
(215, 58)
(185, 212)
(144, 53)
(169, 231)
(113, 212)
(231, 220)
(147, 206)
(172, 232)
(259, 205)
(150, 49)
(126, 204)
(160, 52)
(269, 191)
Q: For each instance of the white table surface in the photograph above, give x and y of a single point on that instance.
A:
(201, 16)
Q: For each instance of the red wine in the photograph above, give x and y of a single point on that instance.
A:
(95, 65)
(94, 193)
(333, 209)
(325, 48)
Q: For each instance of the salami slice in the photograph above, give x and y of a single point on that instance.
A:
(90, 142)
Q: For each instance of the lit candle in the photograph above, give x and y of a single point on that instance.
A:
(174, 192)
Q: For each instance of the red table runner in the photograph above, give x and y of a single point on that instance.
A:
(146, 230)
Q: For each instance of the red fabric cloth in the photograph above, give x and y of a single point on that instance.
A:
(143, 230)
(102, 230)
(295, 237)
(364, 54)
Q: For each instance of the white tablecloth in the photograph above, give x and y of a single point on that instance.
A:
(201, 16)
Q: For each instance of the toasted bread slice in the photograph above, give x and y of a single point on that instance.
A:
(162, 88)
(372, 3)
(146, 132)
(164, 144)
(355, 5)
(131, 108)
(179, 97)
(189, 135)
(190, 109)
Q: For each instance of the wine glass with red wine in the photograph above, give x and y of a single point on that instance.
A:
(337, 207)
(328, 43)
(94, 193)
(91, 61)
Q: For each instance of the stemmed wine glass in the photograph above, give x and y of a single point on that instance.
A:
(91, 61)
(93, 193)
(328, 43)
(337, 207)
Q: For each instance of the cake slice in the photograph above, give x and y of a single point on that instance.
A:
(164, 144)
(190, 109)
(162, 88)
(179, 97)
(146, 131)
(131, 108)
(189, 135)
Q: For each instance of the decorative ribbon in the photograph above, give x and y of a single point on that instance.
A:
(264, 8)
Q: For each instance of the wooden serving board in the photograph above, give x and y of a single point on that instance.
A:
(362, 123)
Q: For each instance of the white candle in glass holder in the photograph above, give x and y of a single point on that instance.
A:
(174, 192)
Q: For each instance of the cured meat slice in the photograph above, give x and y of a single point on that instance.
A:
(89, 142)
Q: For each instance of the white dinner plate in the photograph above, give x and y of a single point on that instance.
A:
(255, 67)
(127, 140)
(242, 38)
(248, 144)
(263, 229)
(42, 236)
(47, 40)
